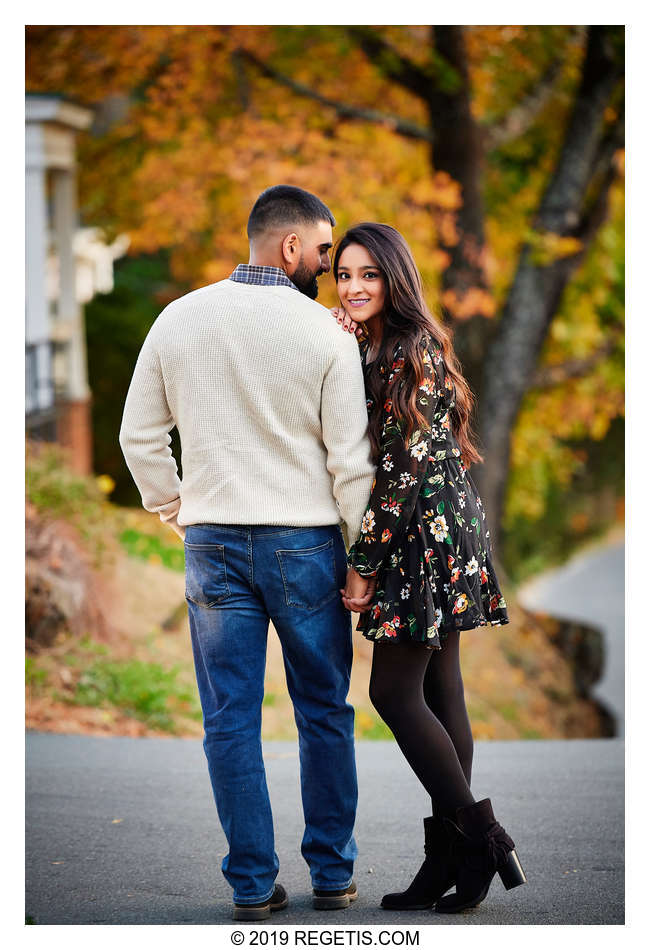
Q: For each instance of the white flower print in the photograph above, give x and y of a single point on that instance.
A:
(462, 498)
(406, 480)
(387, 462)
(439, 528)
(471, 567)
(405, 592)
(419, 451)
(368, 522)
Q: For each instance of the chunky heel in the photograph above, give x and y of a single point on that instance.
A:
(481, 848)
(512, 873)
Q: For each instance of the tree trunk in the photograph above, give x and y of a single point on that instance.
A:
(443, 85)
(537, 288)
(457, 152)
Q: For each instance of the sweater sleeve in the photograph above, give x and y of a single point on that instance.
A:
(344, 421)
(145, 439)
(402, 467)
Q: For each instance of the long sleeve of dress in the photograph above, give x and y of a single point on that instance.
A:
(400, 472)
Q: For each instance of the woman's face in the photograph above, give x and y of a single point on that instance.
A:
(360, 283)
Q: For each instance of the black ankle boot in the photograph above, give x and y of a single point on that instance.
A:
(433, 878)
(480, 849)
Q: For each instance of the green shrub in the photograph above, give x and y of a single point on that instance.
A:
(33, 676)
(148, 547)
(143, 690)
(378, 730)
(509, 711)
(56, 490)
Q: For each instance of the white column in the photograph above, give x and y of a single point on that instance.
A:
(37, 317)
(64, 228)
(65, 220)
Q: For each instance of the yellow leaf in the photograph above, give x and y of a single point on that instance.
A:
(105, 484)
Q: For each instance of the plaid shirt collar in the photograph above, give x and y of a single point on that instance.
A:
(262, 275)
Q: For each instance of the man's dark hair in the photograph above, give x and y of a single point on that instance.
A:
(286, 205)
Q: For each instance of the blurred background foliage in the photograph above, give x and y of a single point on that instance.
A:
(457, 137)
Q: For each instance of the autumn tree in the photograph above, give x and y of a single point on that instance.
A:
(572, 207)
(495, 150)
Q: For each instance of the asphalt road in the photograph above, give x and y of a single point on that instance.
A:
(591, 588)
(124, 831)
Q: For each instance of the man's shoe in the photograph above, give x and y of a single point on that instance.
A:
(335, 900)
(277, 901)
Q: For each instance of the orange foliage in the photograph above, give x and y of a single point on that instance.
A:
(473, 301)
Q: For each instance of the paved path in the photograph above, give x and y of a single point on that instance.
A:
(591, 588)
(124, 831)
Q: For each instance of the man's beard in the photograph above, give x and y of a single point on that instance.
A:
(305, 280)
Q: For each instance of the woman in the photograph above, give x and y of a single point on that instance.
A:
(425, 544)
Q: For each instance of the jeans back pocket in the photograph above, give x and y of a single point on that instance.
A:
(309, 576)
(206, 582)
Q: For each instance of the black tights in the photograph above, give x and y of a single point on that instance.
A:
(419, 695)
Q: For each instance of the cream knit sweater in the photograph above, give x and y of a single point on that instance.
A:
(268, 397)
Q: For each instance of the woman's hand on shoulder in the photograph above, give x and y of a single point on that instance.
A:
(346, 322)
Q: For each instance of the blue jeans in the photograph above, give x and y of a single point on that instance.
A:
(237, 578)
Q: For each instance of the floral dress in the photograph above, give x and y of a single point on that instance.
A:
(424, 533)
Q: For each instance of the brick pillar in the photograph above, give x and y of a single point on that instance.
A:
(74, 432)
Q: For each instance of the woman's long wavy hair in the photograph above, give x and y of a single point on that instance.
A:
(407, 319)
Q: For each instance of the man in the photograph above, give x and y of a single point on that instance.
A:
(267, 394)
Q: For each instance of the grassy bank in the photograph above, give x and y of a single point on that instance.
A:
(135, 676)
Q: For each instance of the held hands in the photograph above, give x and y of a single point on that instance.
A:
(358, 592)
(347, 323)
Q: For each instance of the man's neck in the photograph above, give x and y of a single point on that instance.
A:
(265, 260)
